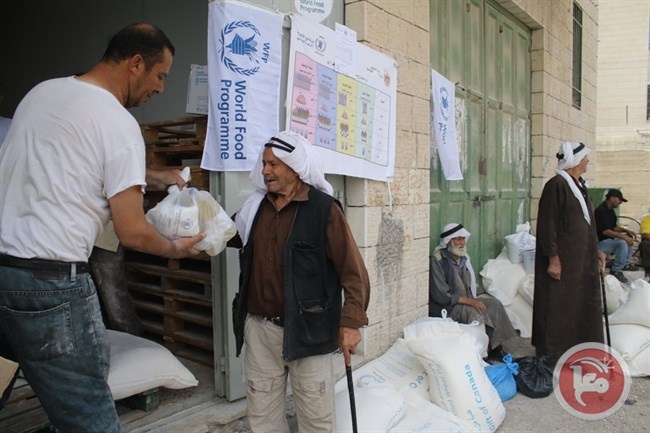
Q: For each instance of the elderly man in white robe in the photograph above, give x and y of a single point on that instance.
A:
(452, 287)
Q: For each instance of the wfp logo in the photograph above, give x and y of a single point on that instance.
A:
(320, 44)
(444, 103)
(239, 48)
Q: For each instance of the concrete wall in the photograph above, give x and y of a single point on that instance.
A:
(391, 222)
(623, 132)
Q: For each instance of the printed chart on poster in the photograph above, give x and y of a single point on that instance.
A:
(341, 96)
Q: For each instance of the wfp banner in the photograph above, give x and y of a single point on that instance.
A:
(443, 126)
(244, 54)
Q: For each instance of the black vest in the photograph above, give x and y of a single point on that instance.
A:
(312, 289)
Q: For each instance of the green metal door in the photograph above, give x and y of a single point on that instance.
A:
(486, 53)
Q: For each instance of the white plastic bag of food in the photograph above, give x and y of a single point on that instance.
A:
(188, 212)
(177, 215)
(215, 223)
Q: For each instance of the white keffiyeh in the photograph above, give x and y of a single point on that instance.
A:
(295, 151)
(454, 230)
(569, 156)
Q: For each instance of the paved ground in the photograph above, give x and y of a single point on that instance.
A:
(546, 415)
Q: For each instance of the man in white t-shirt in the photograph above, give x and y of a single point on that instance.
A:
(73, 160)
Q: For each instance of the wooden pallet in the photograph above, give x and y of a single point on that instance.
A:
(174, 297)
(178, 143)
(174, 304)
(173, 130)
(24, 413)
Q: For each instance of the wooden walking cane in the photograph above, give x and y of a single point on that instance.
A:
(353, 407)
(602, 288)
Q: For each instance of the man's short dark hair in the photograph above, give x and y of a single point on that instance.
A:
(139, 38)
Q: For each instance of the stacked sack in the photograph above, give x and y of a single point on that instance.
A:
(629, 320)
(505, 278)
(431, 380)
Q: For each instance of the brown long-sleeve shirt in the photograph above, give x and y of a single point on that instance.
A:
(265, 289)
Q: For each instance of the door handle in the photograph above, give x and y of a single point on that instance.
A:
(476, 202)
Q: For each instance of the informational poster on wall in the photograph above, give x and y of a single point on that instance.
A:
(347, 111)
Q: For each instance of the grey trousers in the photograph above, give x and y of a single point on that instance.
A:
(312, 383)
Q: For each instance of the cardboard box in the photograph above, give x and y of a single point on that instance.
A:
(197, 90)
(7, 370)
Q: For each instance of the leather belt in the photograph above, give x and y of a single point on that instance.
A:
(277, 321)
(55, 266)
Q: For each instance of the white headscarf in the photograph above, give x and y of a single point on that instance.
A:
(569, 156)
(454, 230)
(298, 153)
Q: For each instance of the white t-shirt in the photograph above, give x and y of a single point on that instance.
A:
(71, 147)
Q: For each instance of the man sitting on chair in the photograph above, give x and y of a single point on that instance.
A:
(613, 239)
(452, 287)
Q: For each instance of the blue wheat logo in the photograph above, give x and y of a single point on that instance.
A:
(243, 45)
(320, 44)
(444, 103)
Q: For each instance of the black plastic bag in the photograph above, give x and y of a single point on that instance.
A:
(535, 378)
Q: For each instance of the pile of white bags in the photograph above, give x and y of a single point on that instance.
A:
(379, 408)
(615, 293)
(432, 380)
(629, 327)
(510, 278)
(457, 379)
(509, 283)
(426, 326)
(519, 242)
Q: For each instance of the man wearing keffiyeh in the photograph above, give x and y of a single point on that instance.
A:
(298, 256)
(567, 305)
(452, 287)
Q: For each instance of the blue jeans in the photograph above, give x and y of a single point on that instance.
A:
(621, 250)
(53, 326)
